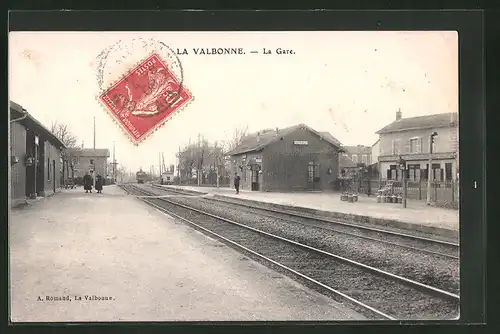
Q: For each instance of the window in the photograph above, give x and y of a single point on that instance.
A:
(392, 172)
(414, 172)
(448, 172)
(437, 172)
(355, 158)
(313, 170)
(48, 169)
(396, 146)
(364, 159)
(415, 145)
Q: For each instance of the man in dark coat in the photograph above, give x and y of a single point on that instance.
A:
(237, 183)
(87, 182)
(98, 184)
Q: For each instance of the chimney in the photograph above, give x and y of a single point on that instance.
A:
(277, 131)
(399, 115)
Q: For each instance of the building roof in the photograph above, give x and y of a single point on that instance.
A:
(359, 149)
(259, 140)
(421, 122)
(346, 162)
(90, 152)
(28, 121)
(375, 143)
(328, 135)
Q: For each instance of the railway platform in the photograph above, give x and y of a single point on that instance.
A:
(416, 216)
(109, 257)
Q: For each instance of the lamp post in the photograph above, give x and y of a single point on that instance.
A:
(402, 165)
(429, 168)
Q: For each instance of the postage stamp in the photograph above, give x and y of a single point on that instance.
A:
(147, 94)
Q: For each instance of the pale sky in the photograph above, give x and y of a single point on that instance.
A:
(348, 83)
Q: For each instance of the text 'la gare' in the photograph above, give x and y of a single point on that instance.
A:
(232, 51)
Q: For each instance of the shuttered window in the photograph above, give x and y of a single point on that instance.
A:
(396, 147)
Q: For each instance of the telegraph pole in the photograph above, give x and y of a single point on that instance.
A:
(199, 160)
(159, 163)
(217, 164)
(179, 166)
(429, 169)
(114, 163)
(94, 173)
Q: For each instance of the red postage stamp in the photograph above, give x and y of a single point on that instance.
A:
(145, 97)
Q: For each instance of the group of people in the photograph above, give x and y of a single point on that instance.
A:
(88, 182)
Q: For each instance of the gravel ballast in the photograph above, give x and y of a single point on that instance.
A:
(391, 297)
(442, 273)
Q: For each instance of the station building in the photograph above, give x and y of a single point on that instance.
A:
(87, 160)
(36, 163)
(296, 158)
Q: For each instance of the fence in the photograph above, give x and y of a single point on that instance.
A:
(206, 181)
(443, 193)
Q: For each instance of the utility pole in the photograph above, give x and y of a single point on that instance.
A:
(159, 163)
(114, 163)
(94, 173)
(163, 163)
(179, 166)
(217, 163)
(199, 160)
(429, 168)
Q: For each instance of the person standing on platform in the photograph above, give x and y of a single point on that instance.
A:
(87, 182)
(237, 183)
(98, 184)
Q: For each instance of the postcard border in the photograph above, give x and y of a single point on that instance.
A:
(469, 25)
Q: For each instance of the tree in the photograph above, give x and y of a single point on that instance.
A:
(66, 136)
(122, 173)
(216, 158)
(237, 138)
(208, 158)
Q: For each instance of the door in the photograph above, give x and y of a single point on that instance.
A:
(255, 179)
(54, 174)
(313, 179)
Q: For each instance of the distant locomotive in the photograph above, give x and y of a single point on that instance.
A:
(141, 176)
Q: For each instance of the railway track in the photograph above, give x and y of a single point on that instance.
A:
(441, 248)
(379, 294)
(405, 257)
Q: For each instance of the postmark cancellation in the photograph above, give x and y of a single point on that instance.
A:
(148, 93)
